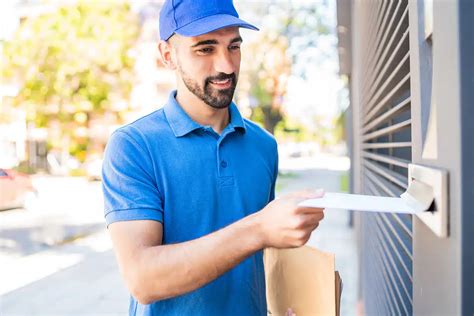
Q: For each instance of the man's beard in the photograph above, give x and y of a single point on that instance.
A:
(216, 98)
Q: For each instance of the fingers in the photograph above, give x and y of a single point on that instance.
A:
(289, 312)
(309, 210)
(313, 221)
(310, 226)
(319, 193)
(307, 221)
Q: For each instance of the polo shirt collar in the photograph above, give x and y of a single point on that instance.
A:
(182, 124)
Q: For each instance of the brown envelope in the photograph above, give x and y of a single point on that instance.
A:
(303, 279)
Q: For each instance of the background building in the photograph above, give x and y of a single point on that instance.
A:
(410, 69)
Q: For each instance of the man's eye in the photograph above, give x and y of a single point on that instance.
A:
(235, 47)
(205, 50)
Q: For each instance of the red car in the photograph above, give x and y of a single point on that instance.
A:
(14, 189)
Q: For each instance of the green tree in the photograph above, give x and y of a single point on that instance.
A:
(71, 64)
(284, 47)
(269, 72)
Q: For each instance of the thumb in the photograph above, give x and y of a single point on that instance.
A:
(318, 193)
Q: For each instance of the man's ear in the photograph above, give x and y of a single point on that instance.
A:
(165, 50)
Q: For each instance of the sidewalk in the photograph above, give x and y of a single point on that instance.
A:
(81, 277)
(333, 234)
(56, 258)
(66, 208)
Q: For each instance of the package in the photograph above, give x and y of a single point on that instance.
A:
(303, 279)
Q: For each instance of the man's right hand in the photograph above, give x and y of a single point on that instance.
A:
(284, 224)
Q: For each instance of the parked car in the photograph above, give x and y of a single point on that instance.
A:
(15, 189)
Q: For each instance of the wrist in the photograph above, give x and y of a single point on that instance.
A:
(256, 230)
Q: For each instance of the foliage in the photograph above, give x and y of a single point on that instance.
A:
(25, 168)
(284, 47)
(270, 68)
(71, 64)
(344, 182)
(339, 128)
(288, 130)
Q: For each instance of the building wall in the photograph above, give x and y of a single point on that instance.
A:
(435, 89)
(410, 73)
(466, 18)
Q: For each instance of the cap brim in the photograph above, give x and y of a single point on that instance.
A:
(212, 23)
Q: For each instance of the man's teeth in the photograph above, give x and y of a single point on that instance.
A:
(220, 82)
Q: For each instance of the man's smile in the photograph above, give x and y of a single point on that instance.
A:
(222, 84)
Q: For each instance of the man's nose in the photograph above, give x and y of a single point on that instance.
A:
(224, 63)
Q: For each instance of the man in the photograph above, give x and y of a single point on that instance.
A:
(187, 187)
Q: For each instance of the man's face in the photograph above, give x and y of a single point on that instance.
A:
(209, 65)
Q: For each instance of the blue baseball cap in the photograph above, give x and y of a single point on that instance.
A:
(197, 17)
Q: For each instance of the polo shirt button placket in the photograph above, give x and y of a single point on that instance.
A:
(224, 171)
(224, 167)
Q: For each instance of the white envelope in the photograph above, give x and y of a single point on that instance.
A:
(418, 198)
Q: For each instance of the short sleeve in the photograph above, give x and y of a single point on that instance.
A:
(275, 176)
(128, 181)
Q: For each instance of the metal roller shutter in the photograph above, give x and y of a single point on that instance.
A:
(384, 136)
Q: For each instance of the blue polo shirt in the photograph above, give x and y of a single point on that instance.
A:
(168, 168)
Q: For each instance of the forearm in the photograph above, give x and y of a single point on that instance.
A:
(170, 270)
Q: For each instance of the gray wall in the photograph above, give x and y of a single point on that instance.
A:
(441, 81)
(466, 23)
(437, 261)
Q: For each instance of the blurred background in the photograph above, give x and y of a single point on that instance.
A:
(74, 71)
